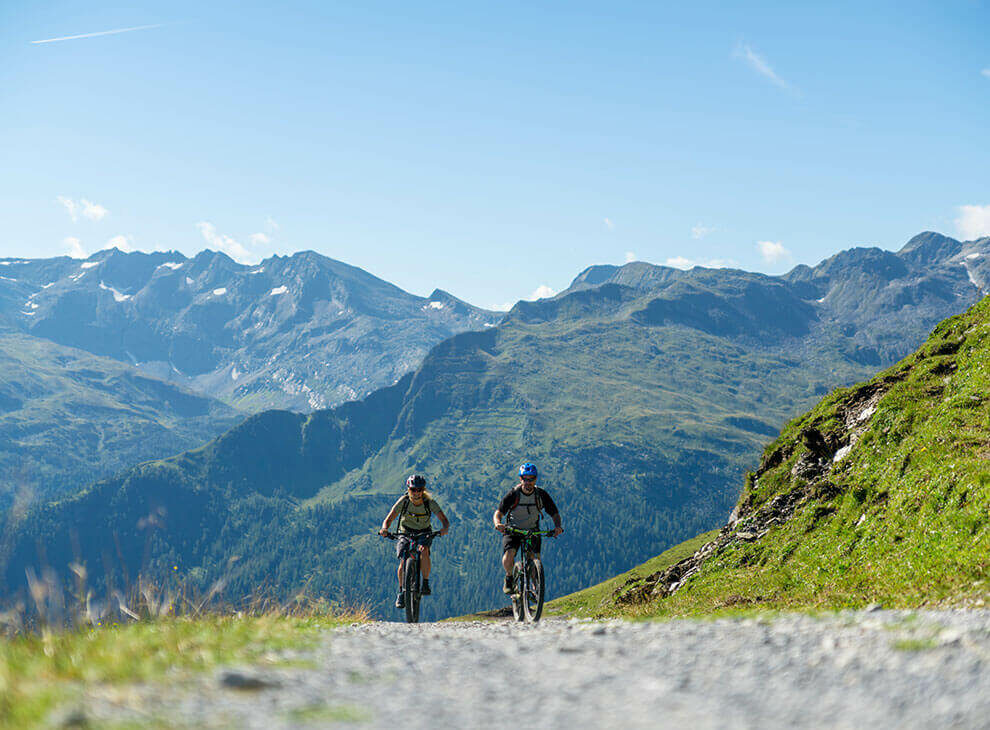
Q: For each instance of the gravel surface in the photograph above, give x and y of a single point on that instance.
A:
(877, 669)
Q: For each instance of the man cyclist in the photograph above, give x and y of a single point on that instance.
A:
(521, 508)
(414, 509)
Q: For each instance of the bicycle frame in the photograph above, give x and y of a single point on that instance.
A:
(528, 591)
(410, 584)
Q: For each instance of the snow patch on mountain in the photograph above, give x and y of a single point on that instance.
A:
(220, 292)
(117, 296)
(278, 290)
(172, 265)
(90, 264)
(434, 305)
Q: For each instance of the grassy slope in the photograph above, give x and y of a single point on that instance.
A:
(903, 518)
(40, 671)
(597, 599)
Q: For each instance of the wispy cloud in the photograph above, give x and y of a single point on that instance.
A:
(259, 239)
(98, 33)
(630, 257)
(85, 208)
(973, 221)
(74, 247)
(229, 245)
(93, 211)
(986, 72)
(773, 252)
(608, 223)
(700, 231)
(759, 64)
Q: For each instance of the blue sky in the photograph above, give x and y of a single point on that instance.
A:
(493, 149)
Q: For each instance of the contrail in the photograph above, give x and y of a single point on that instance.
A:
(102, 32)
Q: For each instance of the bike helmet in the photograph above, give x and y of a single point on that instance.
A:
(417, 481)
(528, 470)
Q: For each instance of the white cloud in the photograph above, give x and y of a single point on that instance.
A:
(70, 206)
(259, 239)
(121, 242)
(608, 223)
(700, 231)
(973, 221)
(541, 292)
(74, 247)
(86, 208)
(225, 243)
(270, 225)
(759, 64)
(773, 252)
(93, 211)
(630, 257)
(679, 262)
(986, 72)
(721, 264)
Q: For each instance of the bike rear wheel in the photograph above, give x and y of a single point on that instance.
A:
(532, 595)
(410, 584)
(518, 585)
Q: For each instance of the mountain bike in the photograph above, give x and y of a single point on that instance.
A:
(410, 572)
(528, 583)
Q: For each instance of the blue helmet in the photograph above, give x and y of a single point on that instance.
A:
(528, 470)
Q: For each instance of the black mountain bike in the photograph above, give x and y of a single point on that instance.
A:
(410, 572)
(527, 577)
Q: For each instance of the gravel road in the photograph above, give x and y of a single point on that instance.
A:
(879, 669)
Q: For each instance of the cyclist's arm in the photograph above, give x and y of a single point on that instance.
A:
(551, 508)
(444, 521)
(393, 513)
(504, 507)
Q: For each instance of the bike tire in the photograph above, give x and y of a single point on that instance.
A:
(518, 580)
(532, 597)
(410, 582)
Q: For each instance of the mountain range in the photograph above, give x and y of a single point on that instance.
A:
(98, 353)
(643, 392)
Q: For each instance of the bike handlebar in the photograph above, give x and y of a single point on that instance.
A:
(395, 536)
(530, 533)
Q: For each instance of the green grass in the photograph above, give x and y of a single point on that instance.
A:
(903, 519)
(38, 671)
(596, 601)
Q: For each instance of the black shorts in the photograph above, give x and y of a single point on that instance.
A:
(512, 541)
(408, 538)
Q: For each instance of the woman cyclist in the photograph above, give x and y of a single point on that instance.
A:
(414, 509)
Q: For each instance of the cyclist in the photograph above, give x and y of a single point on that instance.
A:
(414, 509)
(521, 508)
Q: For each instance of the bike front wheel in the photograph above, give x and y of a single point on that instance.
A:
(532, 594)
(410, 584)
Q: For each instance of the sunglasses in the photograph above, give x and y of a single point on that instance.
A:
(529, 479)
(417, 489)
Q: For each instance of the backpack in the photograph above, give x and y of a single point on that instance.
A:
(539, 500)
(405, 506)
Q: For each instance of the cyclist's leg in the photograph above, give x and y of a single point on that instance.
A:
(424, 561)
(508, 558)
